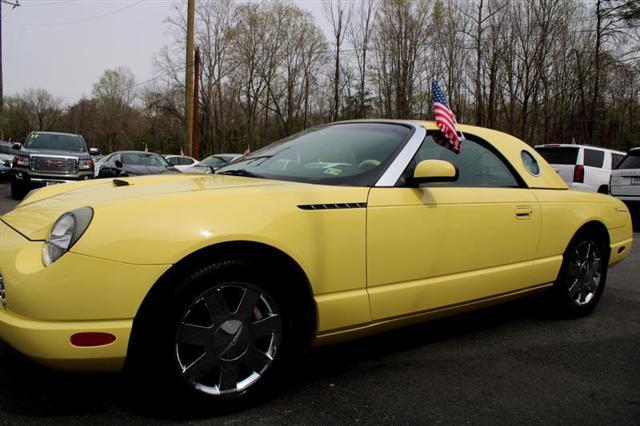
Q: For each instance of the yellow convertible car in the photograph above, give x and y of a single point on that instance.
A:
(205, 283)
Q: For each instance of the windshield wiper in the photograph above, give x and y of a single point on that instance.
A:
(239, 172)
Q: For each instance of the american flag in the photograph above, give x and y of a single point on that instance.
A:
(445, 119)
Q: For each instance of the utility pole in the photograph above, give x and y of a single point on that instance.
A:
(195, 150)
(14, 4)
(188, 93)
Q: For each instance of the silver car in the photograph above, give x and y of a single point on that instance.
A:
(212, 163)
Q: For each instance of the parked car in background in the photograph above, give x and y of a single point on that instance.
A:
(6, 162)
(181, 162)
(134, 163)
(212, 163)
(625, 182)
(583, 167)
(96, 155)
(7, 148)
(98, 164)
(48, 158)
(202, 287)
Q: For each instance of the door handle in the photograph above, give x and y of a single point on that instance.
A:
(524, 212)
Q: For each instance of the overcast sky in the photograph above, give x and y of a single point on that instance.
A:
(64, 46)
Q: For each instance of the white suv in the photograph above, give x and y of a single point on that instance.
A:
(583, 167)
(625, 181)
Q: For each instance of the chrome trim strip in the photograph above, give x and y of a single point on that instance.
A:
(55, 180)
(402, 160)
(69, 157)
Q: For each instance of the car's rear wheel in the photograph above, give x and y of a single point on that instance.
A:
(220, 337)
(582, 277)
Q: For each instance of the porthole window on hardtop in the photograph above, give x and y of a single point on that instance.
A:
(530, 163)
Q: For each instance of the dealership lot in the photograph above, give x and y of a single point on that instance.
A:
(504, 364)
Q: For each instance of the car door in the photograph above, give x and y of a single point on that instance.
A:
(441, 245)
(108, 169)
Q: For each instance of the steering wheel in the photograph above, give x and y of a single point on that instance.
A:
(368, 164)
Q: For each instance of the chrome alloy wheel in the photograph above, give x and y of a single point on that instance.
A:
(584, 272)
(228, 338)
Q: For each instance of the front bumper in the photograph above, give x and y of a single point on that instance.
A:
(48, 342)
(45, 306)
(32, 178)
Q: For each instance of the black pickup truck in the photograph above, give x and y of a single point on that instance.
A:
(47, 158)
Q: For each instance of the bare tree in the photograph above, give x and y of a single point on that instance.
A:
(403, 28)
(38, 109)
(360, 34)
(339, 16)
(115, 93)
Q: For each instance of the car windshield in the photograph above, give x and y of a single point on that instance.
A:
(340, 154)
(212, 161)
(559, 155)
(144, 159)
(631, 161)
(58, 142)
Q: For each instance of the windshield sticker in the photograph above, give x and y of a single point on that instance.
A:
(333, 171)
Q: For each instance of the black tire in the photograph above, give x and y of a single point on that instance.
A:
(18, 190)
(200, 344)
(582, 277)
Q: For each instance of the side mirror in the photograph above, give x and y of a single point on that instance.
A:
(94, 151)
(16, 145)
(118, 164)
(435, 171)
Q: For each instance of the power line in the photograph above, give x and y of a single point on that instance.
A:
(90, 18)
(45, 3)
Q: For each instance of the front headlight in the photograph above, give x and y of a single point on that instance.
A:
(65, 232)
(20, 161)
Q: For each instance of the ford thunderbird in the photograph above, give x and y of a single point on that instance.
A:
(205, 283)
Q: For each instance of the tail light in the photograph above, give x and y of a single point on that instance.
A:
(86, 165)
(578, 174)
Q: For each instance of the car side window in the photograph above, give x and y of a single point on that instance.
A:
(477, 165)
(174, 160)
(616, 159)
(184, 161)
(593, 158)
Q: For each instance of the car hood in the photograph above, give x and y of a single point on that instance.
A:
(35, 215)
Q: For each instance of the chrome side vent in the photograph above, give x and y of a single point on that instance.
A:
(332, 206)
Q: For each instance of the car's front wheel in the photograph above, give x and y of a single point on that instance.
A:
(228, 338)
(221, 337)
(582, 277)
